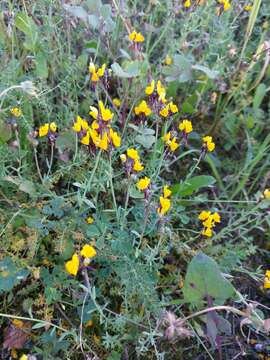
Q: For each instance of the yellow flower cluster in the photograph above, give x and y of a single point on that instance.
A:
(208, 143)
(46, 128)
(72, 266)
(160, 90)
(168, 109)
(170, 141)
(99, 133)
(186, 126)
(96, 73)
(209, 221)
(132, 160)
(266, 283)
(248, 7)
(15, 111)
(143, 183)
(187, 4)
(142, 108)
(225, 4)
(136, 37)
(164, 201)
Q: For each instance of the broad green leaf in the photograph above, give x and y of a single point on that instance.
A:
(212, 74)
(204, 279)
(117, 69)
(10, 275)
(132, 69)
(145, 140)
(26, 24)
(192, 185)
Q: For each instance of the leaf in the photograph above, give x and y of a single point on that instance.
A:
(76, 11)
(212, 74)
(145, 140)
(192, 185)
(26, 24)
(28, 187)
(41, 65)
(258, 97)
(5, 132)
(39, 325)
(93, 21)
(10, 276)
(66, 141)
(204, 279)
(132, 69)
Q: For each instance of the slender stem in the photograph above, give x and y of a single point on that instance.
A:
(126, 202)
(37, 165)
(46, 323)
(112, 187)
(51, 159)
(89, 183)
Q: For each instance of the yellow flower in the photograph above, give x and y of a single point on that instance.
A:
(93, 112)
(96, 74)
(248, 7)
(23, 357)
(186, 126)
(117, 102)
(204, 215)
(207, 232)
(123, 158)
(173, 144)
(43, 130)
(168, 60)
(101, 70)
(133, 154)
(86, 139)
(187, 4)
(89, 220)
(94, 125)
(143, 183)
(166, 191)
(53, 126)
(165, 205)
(150, 88)
(266, 284)
(216, 217)
(88, 251)
(17, 112)
(72, 266)
(106, 114)
(161, 91)
(266, 194)
(165, 111)
(208, 143)
(138, 166)
(143, 108)
(94, 77)
(226, 4)
(209, 223)
(102, 142)
(115, 138)
(136, 37)
(173, 107)
(166, 137)
(92, 68)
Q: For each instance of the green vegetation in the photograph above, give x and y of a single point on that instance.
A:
(134, 179)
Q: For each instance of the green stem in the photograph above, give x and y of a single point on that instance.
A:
(89, 183)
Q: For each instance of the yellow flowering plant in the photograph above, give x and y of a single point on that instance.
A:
(140, 142)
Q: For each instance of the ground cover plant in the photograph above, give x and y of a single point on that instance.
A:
(134, 179)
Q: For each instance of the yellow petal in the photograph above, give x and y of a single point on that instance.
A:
(72, 266)
(88, 251)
